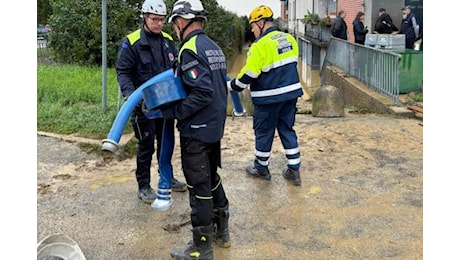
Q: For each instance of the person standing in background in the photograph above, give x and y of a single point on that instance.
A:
(201, 116)
(359, 30)
(143, 54)
(384, 24)
(410, 27)
(339, 28)
(271, 75)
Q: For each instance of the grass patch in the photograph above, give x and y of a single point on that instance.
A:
(414, 98)
(69, 100)
(124, 152)
(357, 109)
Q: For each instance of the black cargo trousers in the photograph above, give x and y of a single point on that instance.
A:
(147, 131)
(199, 163)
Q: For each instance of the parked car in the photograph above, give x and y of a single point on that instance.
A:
(43, 30)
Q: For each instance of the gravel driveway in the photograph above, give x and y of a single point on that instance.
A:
(361, 196)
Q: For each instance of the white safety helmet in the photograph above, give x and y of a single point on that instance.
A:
(154, 7)
(188, 9)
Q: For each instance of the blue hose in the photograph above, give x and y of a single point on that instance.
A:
(118, 125)
(238, 109)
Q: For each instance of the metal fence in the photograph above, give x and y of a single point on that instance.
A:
(305, 57)
(42, 51)
(320, 33)
(378, 69)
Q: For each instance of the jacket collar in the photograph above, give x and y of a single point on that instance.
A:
(193, 33)
(144, 38)
(269, 30)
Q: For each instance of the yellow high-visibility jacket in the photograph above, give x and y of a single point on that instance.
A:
(271, 69)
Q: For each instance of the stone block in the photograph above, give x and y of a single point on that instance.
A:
(328, 101)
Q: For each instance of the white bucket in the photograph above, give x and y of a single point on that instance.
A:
(59, 245)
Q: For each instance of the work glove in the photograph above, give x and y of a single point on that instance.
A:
(229, 85)
(151, 113)
(139, 105)
(167, 110)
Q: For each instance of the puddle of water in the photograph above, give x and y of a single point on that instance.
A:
(110, 179)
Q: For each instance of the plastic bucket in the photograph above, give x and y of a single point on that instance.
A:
(59, 246)
(163, 93)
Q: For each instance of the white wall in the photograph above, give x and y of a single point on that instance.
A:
(296, 12)
(302, 6)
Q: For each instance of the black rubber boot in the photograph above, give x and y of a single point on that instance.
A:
(221, 235)
(199, 248)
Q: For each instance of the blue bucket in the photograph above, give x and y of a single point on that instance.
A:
(163, 93)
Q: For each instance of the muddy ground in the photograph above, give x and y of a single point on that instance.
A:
(361, 196)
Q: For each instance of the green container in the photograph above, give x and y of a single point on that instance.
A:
(411, 71)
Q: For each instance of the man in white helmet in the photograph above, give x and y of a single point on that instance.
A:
(143, 54)
(201, 119)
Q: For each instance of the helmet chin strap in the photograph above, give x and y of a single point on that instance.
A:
(261, 27)
(182, 31)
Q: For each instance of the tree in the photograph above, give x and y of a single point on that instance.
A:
(248, 34)
(43, 11)
(76, 36)
(225, 28)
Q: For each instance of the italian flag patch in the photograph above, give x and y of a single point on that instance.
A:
(193, 74)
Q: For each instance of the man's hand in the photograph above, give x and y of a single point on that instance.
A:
(167, 110)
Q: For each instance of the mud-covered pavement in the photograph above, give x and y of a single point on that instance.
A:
(361, 196)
